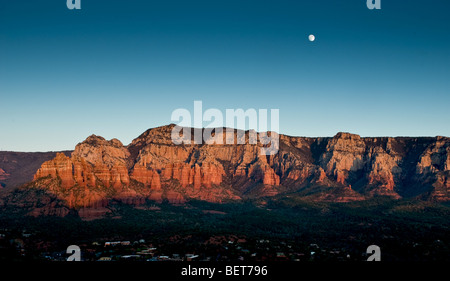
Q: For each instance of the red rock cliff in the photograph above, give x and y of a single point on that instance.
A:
(348, 166)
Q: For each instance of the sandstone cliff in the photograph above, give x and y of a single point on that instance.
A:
(3, 175)
(20, 167)
(343, 168)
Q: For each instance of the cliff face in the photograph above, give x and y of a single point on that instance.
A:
(18, 168)
(96, 170)
(3, 175)
(343, 168)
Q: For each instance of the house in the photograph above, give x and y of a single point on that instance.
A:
(145, 252)
(130, 257)
(191, 257)
(280, 255)
(112, 243)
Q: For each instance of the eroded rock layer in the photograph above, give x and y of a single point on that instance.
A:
(343, 168)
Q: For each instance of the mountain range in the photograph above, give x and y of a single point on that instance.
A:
(342, 168)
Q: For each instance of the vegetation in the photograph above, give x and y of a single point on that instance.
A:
(404, 230)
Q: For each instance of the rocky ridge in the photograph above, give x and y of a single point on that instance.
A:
(343, 168)
(3, 175)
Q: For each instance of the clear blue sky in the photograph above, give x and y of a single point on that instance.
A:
(116, 68)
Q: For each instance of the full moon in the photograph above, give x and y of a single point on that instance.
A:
(311, 38)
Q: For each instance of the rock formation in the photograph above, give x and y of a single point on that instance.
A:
(343, 168)
(20, 167)
(3, 175)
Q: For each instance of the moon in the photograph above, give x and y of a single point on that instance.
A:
(311, 38)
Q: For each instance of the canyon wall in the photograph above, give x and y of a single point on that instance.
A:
(342, 168)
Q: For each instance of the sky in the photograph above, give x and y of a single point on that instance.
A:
(117, 68)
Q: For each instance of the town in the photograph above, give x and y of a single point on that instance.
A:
(24, 246)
